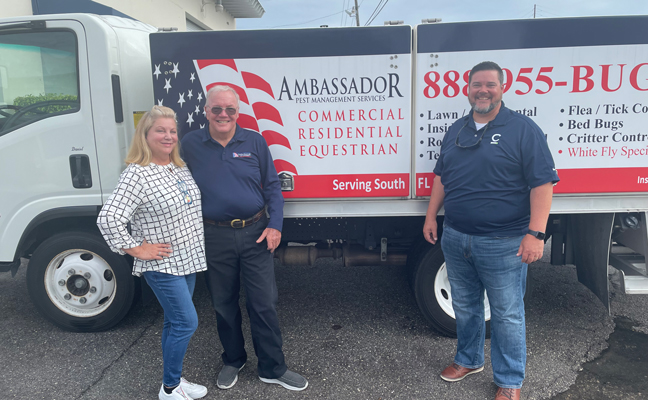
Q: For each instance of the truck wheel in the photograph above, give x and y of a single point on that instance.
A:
(432, 289)
(75, 281)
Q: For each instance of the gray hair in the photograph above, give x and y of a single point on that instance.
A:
(222, 88)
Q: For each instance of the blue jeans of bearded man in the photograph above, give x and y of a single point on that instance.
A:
(475, 263)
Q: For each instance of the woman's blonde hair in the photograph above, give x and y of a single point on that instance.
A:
(139, 152)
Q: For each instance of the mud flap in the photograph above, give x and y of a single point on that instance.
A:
(591, 249)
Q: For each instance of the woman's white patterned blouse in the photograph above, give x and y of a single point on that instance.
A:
(162, 203)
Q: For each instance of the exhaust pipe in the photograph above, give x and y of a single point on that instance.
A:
(352, 256)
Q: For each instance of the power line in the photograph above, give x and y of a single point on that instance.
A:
(312, 20)
(344, 6)
(347, 17)
(373, 12)
(544, 10)
(521, 16)
(381, 8)
(519, 12)
(526, 14)
(377, 11)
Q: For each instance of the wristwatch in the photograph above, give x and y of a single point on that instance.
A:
(536, 234)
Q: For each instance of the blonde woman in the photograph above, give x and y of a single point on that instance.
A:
(160, 199)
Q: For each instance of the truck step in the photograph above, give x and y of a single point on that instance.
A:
(632, 269)
(635, 284)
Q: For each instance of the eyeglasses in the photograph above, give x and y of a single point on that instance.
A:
(183, 188)
(229, 110)
(462, 146)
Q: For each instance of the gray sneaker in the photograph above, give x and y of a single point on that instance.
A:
(290, 380)
(228, 376)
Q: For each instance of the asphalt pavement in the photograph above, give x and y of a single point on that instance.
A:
(355, 333)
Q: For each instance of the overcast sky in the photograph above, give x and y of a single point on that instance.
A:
(313, 13)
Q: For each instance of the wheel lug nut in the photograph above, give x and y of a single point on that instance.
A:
(61, 282)
(67, 296)
(71, 271)
(87, 275)
(93, 289)
(82, 300)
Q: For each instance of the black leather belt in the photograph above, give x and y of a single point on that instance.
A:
(237, 223)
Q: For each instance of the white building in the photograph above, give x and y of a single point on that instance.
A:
(181, 14)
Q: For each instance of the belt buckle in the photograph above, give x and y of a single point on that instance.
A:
(237, 220)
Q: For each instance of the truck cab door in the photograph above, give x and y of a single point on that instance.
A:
(47, 148)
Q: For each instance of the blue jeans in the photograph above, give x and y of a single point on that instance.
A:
(180, 319)
(475, 263)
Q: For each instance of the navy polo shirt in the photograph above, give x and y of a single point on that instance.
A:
(235, 181)
(487, 186)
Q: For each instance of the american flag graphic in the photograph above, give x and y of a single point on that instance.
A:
(266, 67)
(182, 86)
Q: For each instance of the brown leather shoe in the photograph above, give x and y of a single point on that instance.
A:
(507, 394)
(456, 372)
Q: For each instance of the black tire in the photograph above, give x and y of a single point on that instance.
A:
(432, 290)
(76, 282)
(417, 250)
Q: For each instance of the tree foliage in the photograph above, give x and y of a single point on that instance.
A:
(72, 102)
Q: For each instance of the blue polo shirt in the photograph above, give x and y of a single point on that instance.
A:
(487, 186)
(235, 181)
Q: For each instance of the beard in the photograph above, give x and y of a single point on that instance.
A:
(483, 110)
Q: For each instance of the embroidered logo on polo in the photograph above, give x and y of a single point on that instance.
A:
(495, 139)
(241, 155)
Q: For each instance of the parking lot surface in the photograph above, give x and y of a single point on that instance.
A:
(355, 333)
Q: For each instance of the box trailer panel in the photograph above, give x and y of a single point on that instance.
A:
(583, 81)
(333, 104)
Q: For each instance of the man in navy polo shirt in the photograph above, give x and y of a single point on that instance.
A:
(237, 179)
(495, 178)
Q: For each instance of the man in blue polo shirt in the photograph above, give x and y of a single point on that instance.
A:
(237, 179)
(495, 178)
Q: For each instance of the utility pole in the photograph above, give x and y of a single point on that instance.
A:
(534, 11)
(357, 13)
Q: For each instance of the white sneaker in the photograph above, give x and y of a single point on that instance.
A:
(177, 394)
(194, 390)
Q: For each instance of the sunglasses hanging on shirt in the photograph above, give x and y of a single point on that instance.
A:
(468, 143)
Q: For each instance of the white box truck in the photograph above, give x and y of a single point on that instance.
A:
(354, 118)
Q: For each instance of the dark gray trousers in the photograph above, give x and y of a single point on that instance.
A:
(234, 257)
